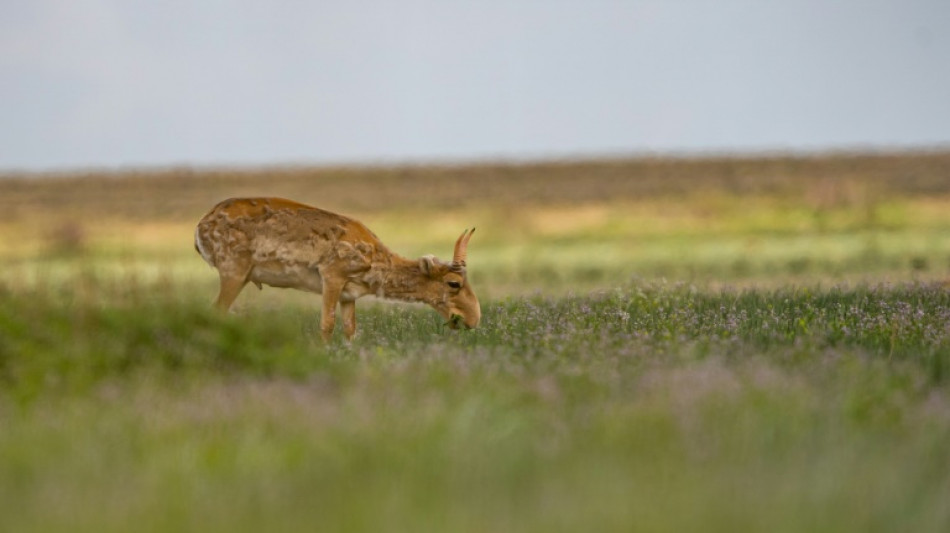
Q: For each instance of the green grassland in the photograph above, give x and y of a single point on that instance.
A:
(667, 345)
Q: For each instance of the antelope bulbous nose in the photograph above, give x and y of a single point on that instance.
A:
(474, 323)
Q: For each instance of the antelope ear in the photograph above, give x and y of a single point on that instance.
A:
(427, 264)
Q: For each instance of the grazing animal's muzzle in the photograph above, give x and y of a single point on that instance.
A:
(457, 321)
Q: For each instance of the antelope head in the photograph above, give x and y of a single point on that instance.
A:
(450, 292)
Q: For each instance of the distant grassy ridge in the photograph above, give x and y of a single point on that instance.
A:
(540, 226)
(185, 193)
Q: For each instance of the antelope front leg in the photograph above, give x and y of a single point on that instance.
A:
(331, 296)
(348, 308)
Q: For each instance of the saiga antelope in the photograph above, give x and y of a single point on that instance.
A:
(282, 243)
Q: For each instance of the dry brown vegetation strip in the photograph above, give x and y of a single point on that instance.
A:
(185, 193)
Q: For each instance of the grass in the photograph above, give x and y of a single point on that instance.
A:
(553, 227)
(765, 355)
(657, 406)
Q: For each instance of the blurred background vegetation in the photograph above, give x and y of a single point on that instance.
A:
(541, 226)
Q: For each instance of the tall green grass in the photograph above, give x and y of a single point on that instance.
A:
(655, 407)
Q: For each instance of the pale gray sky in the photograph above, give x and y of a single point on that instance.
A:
(111, 83)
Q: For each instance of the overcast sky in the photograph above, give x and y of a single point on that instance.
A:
(112, 83)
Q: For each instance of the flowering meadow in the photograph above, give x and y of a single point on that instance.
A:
(759, 361)
(656, 405)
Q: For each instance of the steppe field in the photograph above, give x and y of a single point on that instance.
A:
(698, 344)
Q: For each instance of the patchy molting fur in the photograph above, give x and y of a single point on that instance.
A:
(281, 243)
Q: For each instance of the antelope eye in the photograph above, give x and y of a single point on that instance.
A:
(455, 284)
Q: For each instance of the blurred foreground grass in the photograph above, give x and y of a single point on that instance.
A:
(715, 345)
(652, 407)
